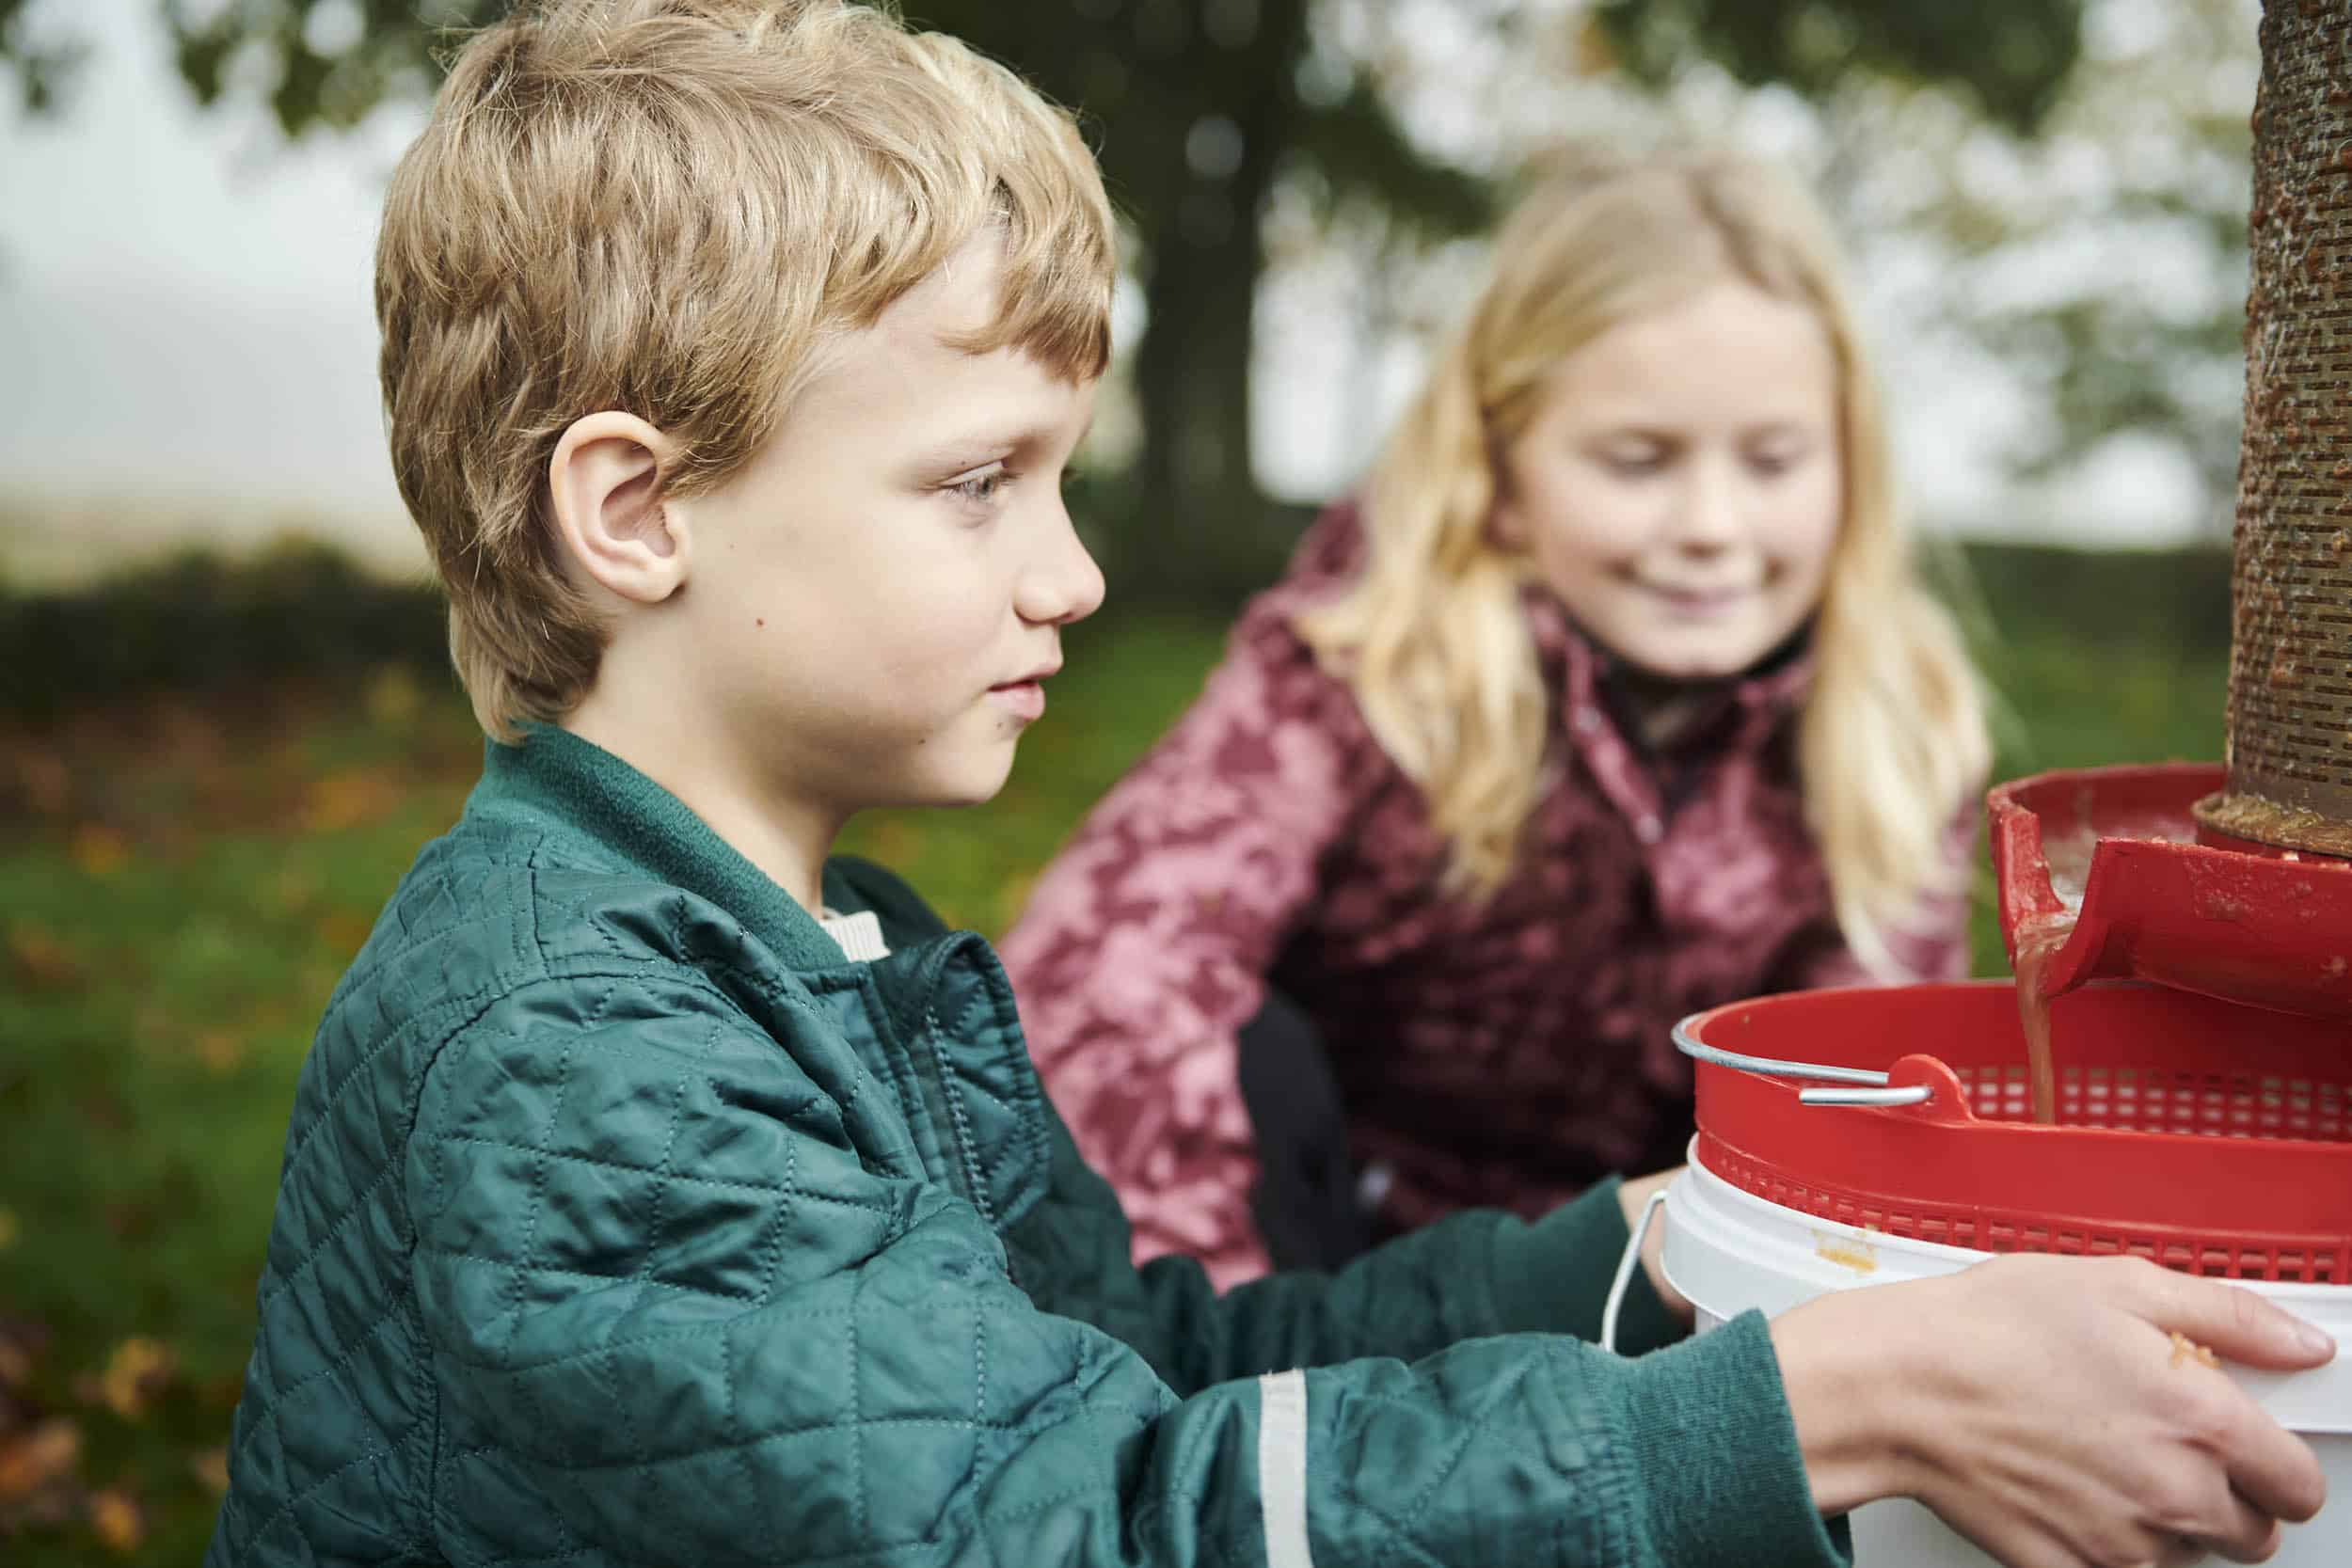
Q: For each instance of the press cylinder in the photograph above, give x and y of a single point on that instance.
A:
(2290, 711)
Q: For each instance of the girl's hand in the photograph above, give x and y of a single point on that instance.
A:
(2044, 1407)
(1633, 1195)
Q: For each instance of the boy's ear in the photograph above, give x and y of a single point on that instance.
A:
(603, 483)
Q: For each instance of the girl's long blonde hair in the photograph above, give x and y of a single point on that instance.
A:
(1432, 636)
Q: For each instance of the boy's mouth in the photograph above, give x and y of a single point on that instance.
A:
(1024, 698)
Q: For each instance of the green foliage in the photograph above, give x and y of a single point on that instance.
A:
(40, 65)
(198, 622)
(2095, 601)
(330, 81)
(1352, 150)
(2012, 55)
(2142, 160)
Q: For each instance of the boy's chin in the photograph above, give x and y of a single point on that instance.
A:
(975, 785)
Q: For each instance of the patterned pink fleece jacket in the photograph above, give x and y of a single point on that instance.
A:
(1504, 1053)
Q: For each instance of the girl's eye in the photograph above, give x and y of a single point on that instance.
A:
(1634, 462)
(1775, 462)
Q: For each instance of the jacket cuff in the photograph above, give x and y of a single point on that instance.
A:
(1552, 1277)
(1717, 1477)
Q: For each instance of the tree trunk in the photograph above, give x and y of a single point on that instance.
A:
(1198, 515)
(1201, 528)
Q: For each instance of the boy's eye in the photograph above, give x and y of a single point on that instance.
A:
(982, 487)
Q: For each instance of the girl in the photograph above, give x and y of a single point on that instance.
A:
(1616, 698)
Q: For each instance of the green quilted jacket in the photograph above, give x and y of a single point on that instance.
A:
(625, 1221)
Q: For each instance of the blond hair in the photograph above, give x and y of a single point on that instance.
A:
(668, 207)
(1432, 636)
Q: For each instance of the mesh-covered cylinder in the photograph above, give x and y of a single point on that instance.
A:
(2290, 722)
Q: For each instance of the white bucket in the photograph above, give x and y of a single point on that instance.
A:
(1729, 1252)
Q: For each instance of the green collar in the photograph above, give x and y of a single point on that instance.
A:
(578, 789)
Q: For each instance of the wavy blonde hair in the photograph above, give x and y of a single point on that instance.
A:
(1432, 637)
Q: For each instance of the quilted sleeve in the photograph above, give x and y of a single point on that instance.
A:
(673, 1319)
(1145, 945)
(1468, 1276)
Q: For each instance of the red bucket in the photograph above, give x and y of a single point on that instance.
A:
(2205, 1136)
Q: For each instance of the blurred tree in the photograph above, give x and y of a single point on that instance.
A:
(1198, 108)
(2106, 262)
(38, 62)
(2012, 55)
(2097, 267)
(2061, 309)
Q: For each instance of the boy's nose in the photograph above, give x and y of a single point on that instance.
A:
(1063, 584)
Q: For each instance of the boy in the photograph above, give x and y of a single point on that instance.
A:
(659, 1190)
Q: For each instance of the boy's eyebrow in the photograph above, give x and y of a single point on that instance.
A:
(971, 451)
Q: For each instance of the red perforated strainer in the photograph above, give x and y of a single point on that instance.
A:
(2205, 1136)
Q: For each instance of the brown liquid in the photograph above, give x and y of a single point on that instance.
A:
(2037, 943)
(2068, 856)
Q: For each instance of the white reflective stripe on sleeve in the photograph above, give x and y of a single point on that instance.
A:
(1282, 1468)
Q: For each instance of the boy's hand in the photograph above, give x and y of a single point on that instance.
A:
(1633, 1195)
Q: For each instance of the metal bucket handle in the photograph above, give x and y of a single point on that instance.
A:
(1856, 1085)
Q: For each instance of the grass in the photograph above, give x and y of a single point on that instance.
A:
(181, 884)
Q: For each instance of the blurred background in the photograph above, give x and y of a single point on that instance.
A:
(226, 721)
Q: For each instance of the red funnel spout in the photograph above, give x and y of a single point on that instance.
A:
(2151, 896)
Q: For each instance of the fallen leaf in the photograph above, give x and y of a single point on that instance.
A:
(52, 1508)
(347, 799)
(139, 1369)
(39, 959)
(346, 930)
(104, 1110)
(99, 850)
(45, 779)
(211, 1469)
(294, 890)
(31, 1460)
(222, 1051)
(21, 1344)
(113, 1516)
